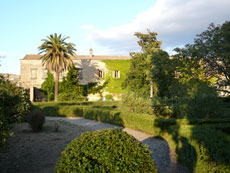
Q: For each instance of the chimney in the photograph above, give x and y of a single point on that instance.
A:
(91, 52)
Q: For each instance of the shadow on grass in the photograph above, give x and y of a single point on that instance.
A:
(200, 146)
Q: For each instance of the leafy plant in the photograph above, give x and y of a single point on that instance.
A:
(14, 104)
(36, 119)
(137, 104)
(109, 97)
(68, 96)
(48, 85)
(105, 151)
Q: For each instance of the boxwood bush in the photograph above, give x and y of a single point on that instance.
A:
(105, 151)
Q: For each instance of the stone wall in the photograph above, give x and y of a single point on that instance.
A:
(33, 74)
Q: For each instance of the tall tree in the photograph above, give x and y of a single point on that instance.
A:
(146, 67)
(57, 56)
(212, 47)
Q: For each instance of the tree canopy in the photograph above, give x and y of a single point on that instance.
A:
(150, 67)
(212, 48)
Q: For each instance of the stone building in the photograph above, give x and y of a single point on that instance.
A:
(92, 69)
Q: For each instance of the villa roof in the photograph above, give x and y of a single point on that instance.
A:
(80, 57)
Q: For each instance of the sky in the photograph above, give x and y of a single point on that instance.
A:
(107, 27)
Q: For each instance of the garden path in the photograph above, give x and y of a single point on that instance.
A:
(162, 154)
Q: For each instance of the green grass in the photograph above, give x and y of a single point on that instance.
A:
(201, 144)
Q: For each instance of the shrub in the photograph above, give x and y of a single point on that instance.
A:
(105, 151)
(137, 104)
(48, 85)
(5, 130)
(14, 103)
(70, 96)
(109, 97)
(36, 120)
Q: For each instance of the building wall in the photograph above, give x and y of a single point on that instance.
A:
(92, 69)
(26, 78)
(33, 73)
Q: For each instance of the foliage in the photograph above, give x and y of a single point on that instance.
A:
(200, 148)
(150, 68)
(198, 102)
(162, 73)
(5, 130)
(105, 151)
(14, 103)
(212, 48)
(36, 119)
(137, 80)
(190, 149)
(137, 104)
(71, 90)
(57, 56)
(96, 87)
(139, 76)
(68, 96)
(115, 84)
(48, 85)
(109, 97)
(70, 83)
(69, 87)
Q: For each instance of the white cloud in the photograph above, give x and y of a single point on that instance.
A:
(3, 54)
(88, 27)
(176, 21)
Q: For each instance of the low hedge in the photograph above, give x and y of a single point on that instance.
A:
(105, 151)
(200, 148)
(189, 138)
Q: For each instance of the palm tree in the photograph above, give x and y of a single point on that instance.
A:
(57, 56)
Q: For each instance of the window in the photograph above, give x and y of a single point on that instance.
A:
(33, 73)
(116, 74)
(100, 73)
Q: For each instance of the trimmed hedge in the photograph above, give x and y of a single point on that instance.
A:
(200, 144)
(105, 151)
(200, 149)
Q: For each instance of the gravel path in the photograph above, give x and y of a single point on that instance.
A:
(161, 152)
(30, 152)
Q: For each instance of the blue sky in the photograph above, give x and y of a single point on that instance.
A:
(106, 26)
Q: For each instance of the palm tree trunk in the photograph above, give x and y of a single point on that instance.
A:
(56, 86)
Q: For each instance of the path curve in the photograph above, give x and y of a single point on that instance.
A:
(162, 154)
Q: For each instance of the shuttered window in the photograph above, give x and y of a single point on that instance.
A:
(116, 74)
(100, 73)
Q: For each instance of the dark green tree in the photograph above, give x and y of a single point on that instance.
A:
(14, 104)
(163, 75)
(150, 70)
(212, 48)
(70, 83)
(48, 85)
